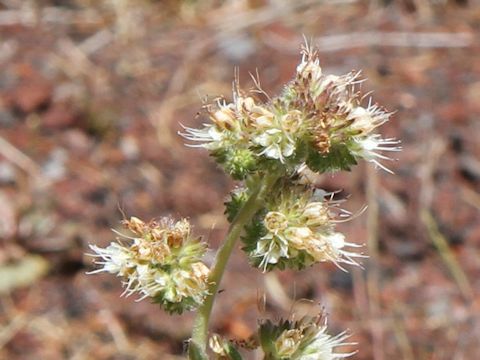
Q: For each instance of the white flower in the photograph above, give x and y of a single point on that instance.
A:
(116, 259)
(369, 147)
(309, 68)
(270, 248)
(210, 137)
(316, 213)
(337, 240)
(362, 119)
(332, 247)
(323, 346)
(365, 120)
(276, 144)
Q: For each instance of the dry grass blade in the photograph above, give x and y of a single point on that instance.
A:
(239, 21)
(373, 274)
(401, 335)
(10, 330)
(276, 292)
(114, 327)
(19, 158)
(441, 244)
(470, 197)
(331, 43)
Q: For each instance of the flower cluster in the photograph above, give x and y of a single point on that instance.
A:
(306, 339)
(318, 120)
(319, 123)
(162, 261)
(297, 229)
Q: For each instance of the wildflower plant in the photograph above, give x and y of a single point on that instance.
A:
(319, 123)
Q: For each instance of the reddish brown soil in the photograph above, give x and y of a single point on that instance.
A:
(91, 97)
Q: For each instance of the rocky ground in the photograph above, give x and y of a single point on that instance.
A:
(91, 97)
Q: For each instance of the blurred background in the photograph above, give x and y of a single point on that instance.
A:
(91, 96)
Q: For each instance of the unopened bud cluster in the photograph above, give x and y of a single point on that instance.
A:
(306, 339)
(297, 229)
(318, 120)
(162, 261)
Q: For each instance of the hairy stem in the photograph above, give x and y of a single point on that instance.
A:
(244, 216)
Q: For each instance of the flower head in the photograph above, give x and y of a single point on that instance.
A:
(297, 229)
(306, 339)
(162, 261)
(318, 119)
(340, 128)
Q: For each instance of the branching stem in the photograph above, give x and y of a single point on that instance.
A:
(244, 216)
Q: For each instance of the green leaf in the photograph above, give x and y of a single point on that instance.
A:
(238, 198)
(338, 158)
(187, 304)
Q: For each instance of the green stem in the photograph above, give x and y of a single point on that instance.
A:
(244, 216)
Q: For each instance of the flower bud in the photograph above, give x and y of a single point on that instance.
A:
(135, 225)
(223, 349)
(224, 118)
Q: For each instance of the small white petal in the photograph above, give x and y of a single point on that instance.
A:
(337, 240)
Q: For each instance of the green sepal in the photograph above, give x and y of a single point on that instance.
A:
(301, 151)
(339, 157)
(187, 304)
(238, 198)
(300, 261)
(232, 352)
(195, 352)
(268, 334)
(253, 232)
(237, 162)
(289, 165)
